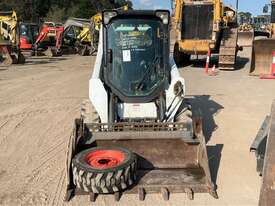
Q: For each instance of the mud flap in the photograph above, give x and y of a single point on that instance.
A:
(262, 57)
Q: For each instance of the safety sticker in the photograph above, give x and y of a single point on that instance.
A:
(126, 54)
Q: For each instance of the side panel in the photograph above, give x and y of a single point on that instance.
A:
(97, 93)
(267, 196)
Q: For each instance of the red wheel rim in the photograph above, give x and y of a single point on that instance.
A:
(105, 159)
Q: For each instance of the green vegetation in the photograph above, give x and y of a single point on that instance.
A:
(59, 10)
(246, 15)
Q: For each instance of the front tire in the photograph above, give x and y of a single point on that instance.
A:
(104, 170)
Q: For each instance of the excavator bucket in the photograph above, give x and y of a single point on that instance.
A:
(245, 38)
(5, 57)
(52, 52)
(262, 57)
(167, 161)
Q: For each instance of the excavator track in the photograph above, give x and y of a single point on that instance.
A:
(228, 48)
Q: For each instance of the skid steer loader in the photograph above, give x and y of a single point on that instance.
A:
(10, 52)
(137, 133)
(263, 49)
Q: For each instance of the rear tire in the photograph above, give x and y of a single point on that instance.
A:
(110, 179)
(88, 112)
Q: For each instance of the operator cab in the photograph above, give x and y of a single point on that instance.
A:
(136, 54)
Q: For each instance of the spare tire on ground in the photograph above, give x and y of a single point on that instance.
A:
(104, 170)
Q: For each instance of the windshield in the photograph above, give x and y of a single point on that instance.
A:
(137, 63)
(29, 31)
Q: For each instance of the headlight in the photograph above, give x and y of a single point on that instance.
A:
(108, 15)
(164, 15)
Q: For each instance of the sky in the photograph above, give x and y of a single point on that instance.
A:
(253, 6)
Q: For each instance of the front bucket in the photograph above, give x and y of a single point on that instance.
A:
(168, 159)
(5, 57)
(245, 39)
(52, 52)
(262, 57)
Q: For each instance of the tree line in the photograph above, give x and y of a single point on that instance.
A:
(59, 10)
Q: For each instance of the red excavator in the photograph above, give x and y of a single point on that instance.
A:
(49, 39)
(28, 35)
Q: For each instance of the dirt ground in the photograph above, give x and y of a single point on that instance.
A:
(39, 100)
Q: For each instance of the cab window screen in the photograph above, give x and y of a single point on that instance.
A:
(197, 22)
(273, 14)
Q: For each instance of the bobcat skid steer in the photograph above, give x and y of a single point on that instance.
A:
(137, 133)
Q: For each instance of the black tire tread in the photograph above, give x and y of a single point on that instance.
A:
(104, 182)
(89, 113)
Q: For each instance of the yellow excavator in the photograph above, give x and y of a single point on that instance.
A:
(202, 26)
(83, 34)
(263, 48)
(78, 36)
(9, 39)
(96, 22)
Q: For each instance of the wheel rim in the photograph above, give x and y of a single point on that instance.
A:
(105, 159)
